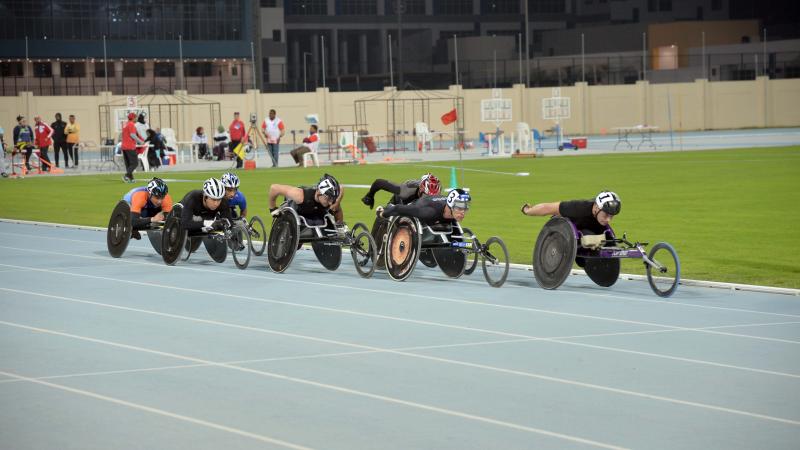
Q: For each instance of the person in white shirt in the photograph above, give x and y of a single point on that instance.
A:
(221, 142)
(310, 144)
(273, 129)
(200, 141)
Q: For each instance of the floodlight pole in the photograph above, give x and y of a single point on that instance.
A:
(519, 38)
(494, 60)
(455, 50)
(253, 62)
(391, 66)
(180, 56)
(644, 56)
(703, 53)
(583, 58)
(305, 74)
(764, 41)
(105, 62)
(322, 51)
(527, 48)
(27, 60)
(400, 6)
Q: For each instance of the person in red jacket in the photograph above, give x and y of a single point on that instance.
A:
(130, 140)
(43, 140)
(238, 136)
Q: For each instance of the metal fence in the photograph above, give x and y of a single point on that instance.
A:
(542, 72)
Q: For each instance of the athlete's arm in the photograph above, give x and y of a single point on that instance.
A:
(289, 192)
(541, 209)
(243, 207)
(383, 185)
(335, 205)
(423, 212)
(187, 217)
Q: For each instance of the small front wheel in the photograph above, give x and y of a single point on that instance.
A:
(364, 253)
(239, 249)
(665, 275)
(495, 262)
(258, 236)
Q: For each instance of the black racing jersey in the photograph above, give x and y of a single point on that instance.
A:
(194, 212)
(580, 213)
(309, 207)
(429, 210)
(402, 194)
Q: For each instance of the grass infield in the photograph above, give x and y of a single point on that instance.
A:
(729, 214)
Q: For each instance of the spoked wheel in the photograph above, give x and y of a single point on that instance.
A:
(495, 262)
(402, 247)
(239, 249)
(119, 229)
(554, 253)
(258, 236)
(282, 243)
(358, 228)
(364, 253)
(472, 258)
(666, 274)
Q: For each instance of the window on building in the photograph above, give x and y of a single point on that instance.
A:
(269, 3)
(500, 6)
(73, 69)
(636, 14)
(11, 69)
(652, 5)
(699, 13)
(547, 6)
(164, 69)
(307, 7)
(716, 5)
(356, 7)
(100, 69)
(42, 70)
(198, 69)
(665, 5)
(276, 35)
(410, 7)
(133, 69)
(452, 7)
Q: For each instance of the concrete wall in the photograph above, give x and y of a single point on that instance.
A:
(698, 105)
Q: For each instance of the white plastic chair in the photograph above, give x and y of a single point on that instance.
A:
(312, 155)
(143, 159)
(524, 136)
(347, 142)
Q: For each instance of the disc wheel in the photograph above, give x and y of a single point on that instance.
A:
(364, 253)
(119, 229)
(472, 257)
(282, 244)
(402, 248)
(216, 248)
(257, 238)
(426, 258)
(329, 253)
(155, 238)
(240, 251)
(665, 277)
(495, 262)
(554, 253)
(173, 241)
(452, 261)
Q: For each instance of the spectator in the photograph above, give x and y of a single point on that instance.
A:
(130, 140)
(274, 130)
(155, 148)
(221, 140)
(23, 139)
(44, 139)
(60, 140)
(73, 131)
(310, 144)
(3, 169)
(238, 136)
(201, 141)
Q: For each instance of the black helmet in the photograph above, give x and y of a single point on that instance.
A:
(329, 187)
(608, 202)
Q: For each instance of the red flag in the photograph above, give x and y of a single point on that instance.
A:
(450, 117)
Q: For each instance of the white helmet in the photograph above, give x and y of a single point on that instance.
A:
(230, 180)
(213, 188)
(608, 202)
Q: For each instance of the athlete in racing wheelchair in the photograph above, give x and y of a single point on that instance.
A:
(256, 231)
(314, 215)
(580, 231)
(203, 216)
(141, 209)
(434, 224)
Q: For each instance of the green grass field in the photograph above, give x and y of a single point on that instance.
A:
(732, 215)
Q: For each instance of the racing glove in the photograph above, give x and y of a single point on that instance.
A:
(526, 205)
(274, 211)
(369, 201)
(220, 224)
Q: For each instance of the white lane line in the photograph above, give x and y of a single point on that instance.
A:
(435, 359)
(331, 387)
(420, 322)
(284, 278)
(160, 412)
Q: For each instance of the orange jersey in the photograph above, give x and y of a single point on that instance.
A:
(141, 200)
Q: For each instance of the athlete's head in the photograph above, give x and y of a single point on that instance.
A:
(458, 201)
(607, 204)
(328, 190)
(157, 189)
(213, 191)
(231, 183)
(429, 185)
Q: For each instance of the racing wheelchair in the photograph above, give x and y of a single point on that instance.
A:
(560, 243)
(291, 230)
(177, 244)
(120, 228)
(453, 248)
